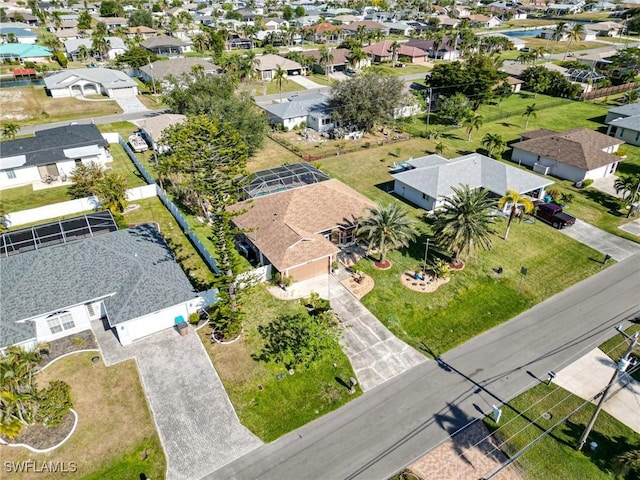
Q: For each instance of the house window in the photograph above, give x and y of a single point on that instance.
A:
(60, 321)
(425, 196)
(11, 173)
(90, 310)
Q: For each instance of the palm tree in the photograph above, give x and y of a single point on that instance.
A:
(627, 465)
(325, 59)
(538, 52)
(529, 111)
(10, 130)
(279, 76)
(465, 222)
(395, 46)
(83, 52)
(494, 144)
(439, 148)
(112, 192)
(629, 186)
(386, 226)
(200, 42)
(472, 120)
(519, 206)
(356, 57)
(574, 35)
(558, 34)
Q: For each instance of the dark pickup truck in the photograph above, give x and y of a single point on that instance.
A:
(553, 214)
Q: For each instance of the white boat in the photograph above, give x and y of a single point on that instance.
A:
(137, 143)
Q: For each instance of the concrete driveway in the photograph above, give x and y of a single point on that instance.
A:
(590, 374)
(604, 242)
(304, 81)
(198, 427)
(375, 353)
(131, 104)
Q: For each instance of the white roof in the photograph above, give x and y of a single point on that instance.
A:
(104, 76)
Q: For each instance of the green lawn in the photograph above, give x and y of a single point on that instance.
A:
(477, 299)
(402, 68)
(115, 427)
(23, 198)
(282, 405)
(555, 456)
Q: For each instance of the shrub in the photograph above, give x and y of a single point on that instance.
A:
(54, 403)
(194, 318)
(587, 183)
(441, 268)
(61, 58)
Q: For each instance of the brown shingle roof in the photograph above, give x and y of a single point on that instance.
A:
(383, 49)
(339, 55)
(286, 226)
(368, 24)
(578, 147)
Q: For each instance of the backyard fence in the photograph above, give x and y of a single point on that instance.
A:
(173, 209)
(606, 91)
(70, 207)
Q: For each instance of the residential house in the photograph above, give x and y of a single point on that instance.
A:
(268, 63)
(114, 22)
(50, 153)
(310, 109)
(90, 81)
(23, 17)
(164, 45)
(274, 24)
(564, 8)
(578, 154)
(516, 69)
(164, 71)
(345, 19)
(369, 25)
(338, 61)
(17, 35)
(448, 22)
(484, 21)
(299, 231)
(430, 179)
(90, 276)
(624, 123)
(514, 83)
(151, 128)
(24, 53)
(72, 47)
(401, 27)
(517, 43)
(142, 31)
(322, 33)
(606, 29)
(383, 52)
(447, 50)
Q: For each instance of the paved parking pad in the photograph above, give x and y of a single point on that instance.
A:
(606, 243)
(375, 353)
(198, 427)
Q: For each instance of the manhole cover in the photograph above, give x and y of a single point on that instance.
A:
(546, 415)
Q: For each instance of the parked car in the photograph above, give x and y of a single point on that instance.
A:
(553, 215)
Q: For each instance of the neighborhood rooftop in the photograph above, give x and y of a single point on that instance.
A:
(134, 266)
(435, 175)
(104, 76)
(48, 146)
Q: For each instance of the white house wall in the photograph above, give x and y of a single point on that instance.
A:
(413, 195)
(630, 136)
(146, 325)
(81, 320)
(24, 176)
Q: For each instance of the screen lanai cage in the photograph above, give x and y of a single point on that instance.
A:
(286, 177)
(26, 239)
(584, 76)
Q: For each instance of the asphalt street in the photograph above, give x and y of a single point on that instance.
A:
(387, 428)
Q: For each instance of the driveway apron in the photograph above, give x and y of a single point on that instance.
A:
(375, 353)
(606, 243)
(198, 427)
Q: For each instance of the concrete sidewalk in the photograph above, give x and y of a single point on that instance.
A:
(198, 427)
(590, 374)
(606, 243)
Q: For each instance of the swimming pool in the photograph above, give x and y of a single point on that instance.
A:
(524, 33)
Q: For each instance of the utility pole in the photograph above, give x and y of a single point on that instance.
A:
(429, 108)
(426, 250)
(621, 367)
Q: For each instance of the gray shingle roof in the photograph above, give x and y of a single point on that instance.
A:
(435, 178)
(49, 145)
(134, 266)
(176, 67)
(629, 110)
(298, 106)
(104, 76)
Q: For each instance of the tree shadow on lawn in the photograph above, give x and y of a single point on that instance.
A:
(608, 447)
(450, 136)
(607, 201)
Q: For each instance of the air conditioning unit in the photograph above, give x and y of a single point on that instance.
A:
(539, 168)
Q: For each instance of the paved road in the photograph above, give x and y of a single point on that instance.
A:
(385, 429)
(120, 117)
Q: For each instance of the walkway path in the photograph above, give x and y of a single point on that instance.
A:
(606, 243)
(375, 353)
(197, 424)
(590, 374)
